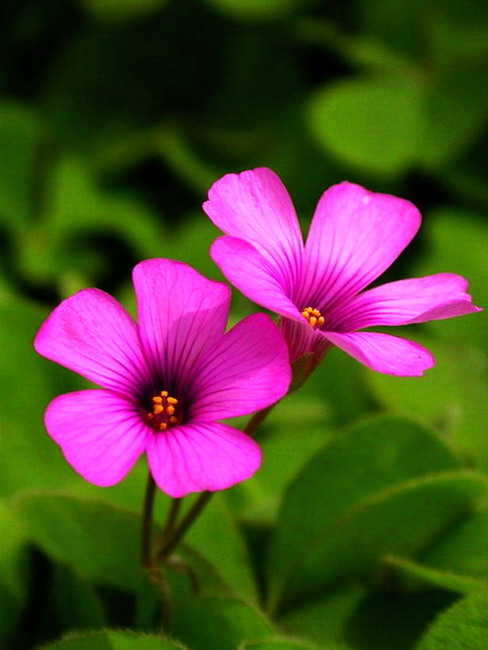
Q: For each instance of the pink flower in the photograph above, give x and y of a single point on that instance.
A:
(165, 381)
(317, 288)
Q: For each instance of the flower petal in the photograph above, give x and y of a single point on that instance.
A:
(247, 370)
(101, 434)
(180, 314)
(201, 456)
(384, 353)
(354, 236)
(408, 301)
(92, 334)
(256, 207)
(252, 274)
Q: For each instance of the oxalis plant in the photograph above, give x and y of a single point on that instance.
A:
(167, 381)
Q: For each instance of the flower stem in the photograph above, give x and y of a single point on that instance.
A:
(147, 521)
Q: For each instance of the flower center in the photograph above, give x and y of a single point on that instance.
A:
(165, 412)
(313, 317)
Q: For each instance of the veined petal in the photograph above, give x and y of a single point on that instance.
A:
(251, 273)
(415, 300)
(201, 456)
(180, 314)
(384, 353)
(247, 370)
(355, 235)
(92, 334)
(101, 434)
(256, 207)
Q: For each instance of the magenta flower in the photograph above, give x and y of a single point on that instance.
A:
(317, 288)
(165, 381)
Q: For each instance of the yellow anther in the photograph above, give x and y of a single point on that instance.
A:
(157, 408)
(163, 426)
(313, 317)
(164, 393)
(149, 416)
(170, 410)
(173, 420)
(172, 400)
(157, 400)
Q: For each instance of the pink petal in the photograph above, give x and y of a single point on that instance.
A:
(302, 339)
(247, 370)
(101, 434)
(354, 236)
(92, 334)
(256, 207)
(180, 314)
(201, 456)
(409, 301)
(253, 275)
(384, 353)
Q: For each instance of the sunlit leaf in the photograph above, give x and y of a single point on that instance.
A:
(113, 640)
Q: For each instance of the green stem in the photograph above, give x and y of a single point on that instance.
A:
(147, 521)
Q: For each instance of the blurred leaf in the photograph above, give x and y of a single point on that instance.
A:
(71, 603)
(370, 457)
(456, 112)
(257, 9)
(464, 550)
(401, 520)
(464, 625)
(415, 575)
(78, 211)
(20, 134)
(29, 458)
(456, 241)
(99, 541)
(280, 644)
(324, 620)
(373, 124)
(13, 588)
(451, 396)
(116, 640)
(225, 551)
(219, 624)
(120, 10)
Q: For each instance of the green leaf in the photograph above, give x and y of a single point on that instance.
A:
(369, 458)
(374, 125)
(257, 9)
(401, 520)
(29, 458)
(464, 550)
(13, 587)
(20, 135)
(71, 602)
(225, 551)
(99, 541)
(456, 112)
(219, 624)
(324, 620)
(463, 626)
(120, 10)
(280, 644)
(109, 640)
(415, 575)
(449, 397)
